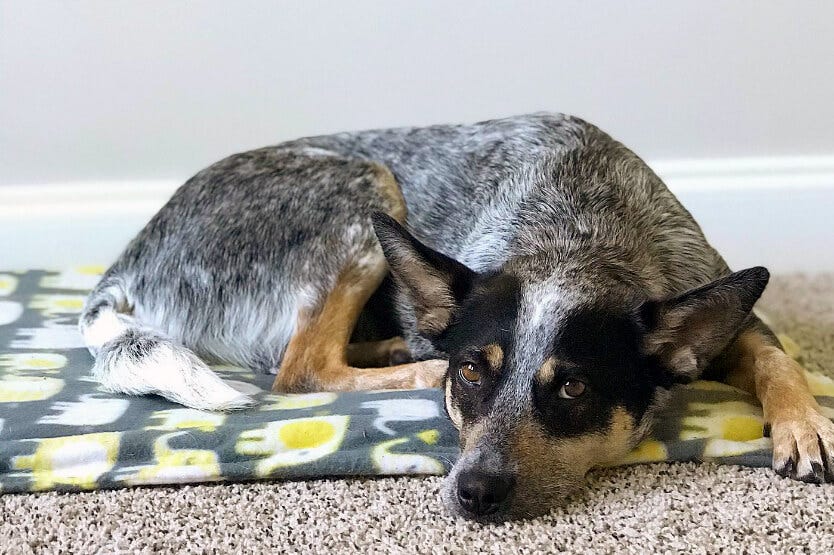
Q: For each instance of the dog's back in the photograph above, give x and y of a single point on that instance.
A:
(489, 192)
(542, 185)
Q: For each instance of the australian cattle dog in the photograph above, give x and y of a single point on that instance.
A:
(533, 267)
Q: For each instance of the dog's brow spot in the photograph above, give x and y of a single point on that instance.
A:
(494, 355)
(547, 371)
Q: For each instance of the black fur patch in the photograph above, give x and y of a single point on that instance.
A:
(602, 349)
(487, 316)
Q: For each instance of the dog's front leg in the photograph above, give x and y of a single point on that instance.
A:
(803, 438)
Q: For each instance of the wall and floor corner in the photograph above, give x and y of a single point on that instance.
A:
(105, 108)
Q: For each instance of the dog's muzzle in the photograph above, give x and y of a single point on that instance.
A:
(484, 494)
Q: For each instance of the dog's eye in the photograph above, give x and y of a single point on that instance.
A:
(469, 374)
(572, 389)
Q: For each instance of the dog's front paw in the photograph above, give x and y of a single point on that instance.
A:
(803, 446)
(430, 373)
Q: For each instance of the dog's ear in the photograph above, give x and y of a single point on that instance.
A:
(685, 333)
(435, 283)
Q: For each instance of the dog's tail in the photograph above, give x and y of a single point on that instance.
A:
(137, 360)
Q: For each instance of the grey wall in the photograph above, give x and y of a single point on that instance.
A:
(147, 90)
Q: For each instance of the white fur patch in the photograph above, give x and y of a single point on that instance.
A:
(173, 372)
(316, 152)
(106, 327)
(250, 327)
(542, 307)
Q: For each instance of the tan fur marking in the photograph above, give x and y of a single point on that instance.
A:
(494, 355)
(316, 357)
(430, 287)
(389, 187)
(415, 375)
(430, 291)
(547, 371)
(620, 438)
(775, 378)
(535, 449)
(318, 350)
(549, 468)
(434, 320)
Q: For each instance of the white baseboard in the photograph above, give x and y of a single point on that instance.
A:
(778, 212)
(721, 174)
(88, 198)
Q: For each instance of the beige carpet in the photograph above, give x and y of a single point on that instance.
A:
(682, 507)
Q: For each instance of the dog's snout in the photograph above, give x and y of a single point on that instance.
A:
(483, 494)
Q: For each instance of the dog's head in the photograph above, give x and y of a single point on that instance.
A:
(544, 384)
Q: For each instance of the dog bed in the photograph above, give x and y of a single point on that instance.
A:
(59, 431)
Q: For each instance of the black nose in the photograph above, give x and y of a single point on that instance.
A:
(482, 494)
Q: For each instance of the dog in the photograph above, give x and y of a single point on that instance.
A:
(533, 267)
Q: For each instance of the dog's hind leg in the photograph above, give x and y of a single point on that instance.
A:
(803, 438)
(316, 357)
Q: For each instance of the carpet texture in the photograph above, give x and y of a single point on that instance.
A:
(659, 507)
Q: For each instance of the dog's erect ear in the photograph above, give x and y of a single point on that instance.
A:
(686, 332)
(435, 283)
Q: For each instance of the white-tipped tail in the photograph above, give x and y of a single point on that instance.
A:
(134, 359)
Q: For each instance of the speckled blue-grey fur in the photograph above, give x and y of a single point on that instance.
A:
(549, 195)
